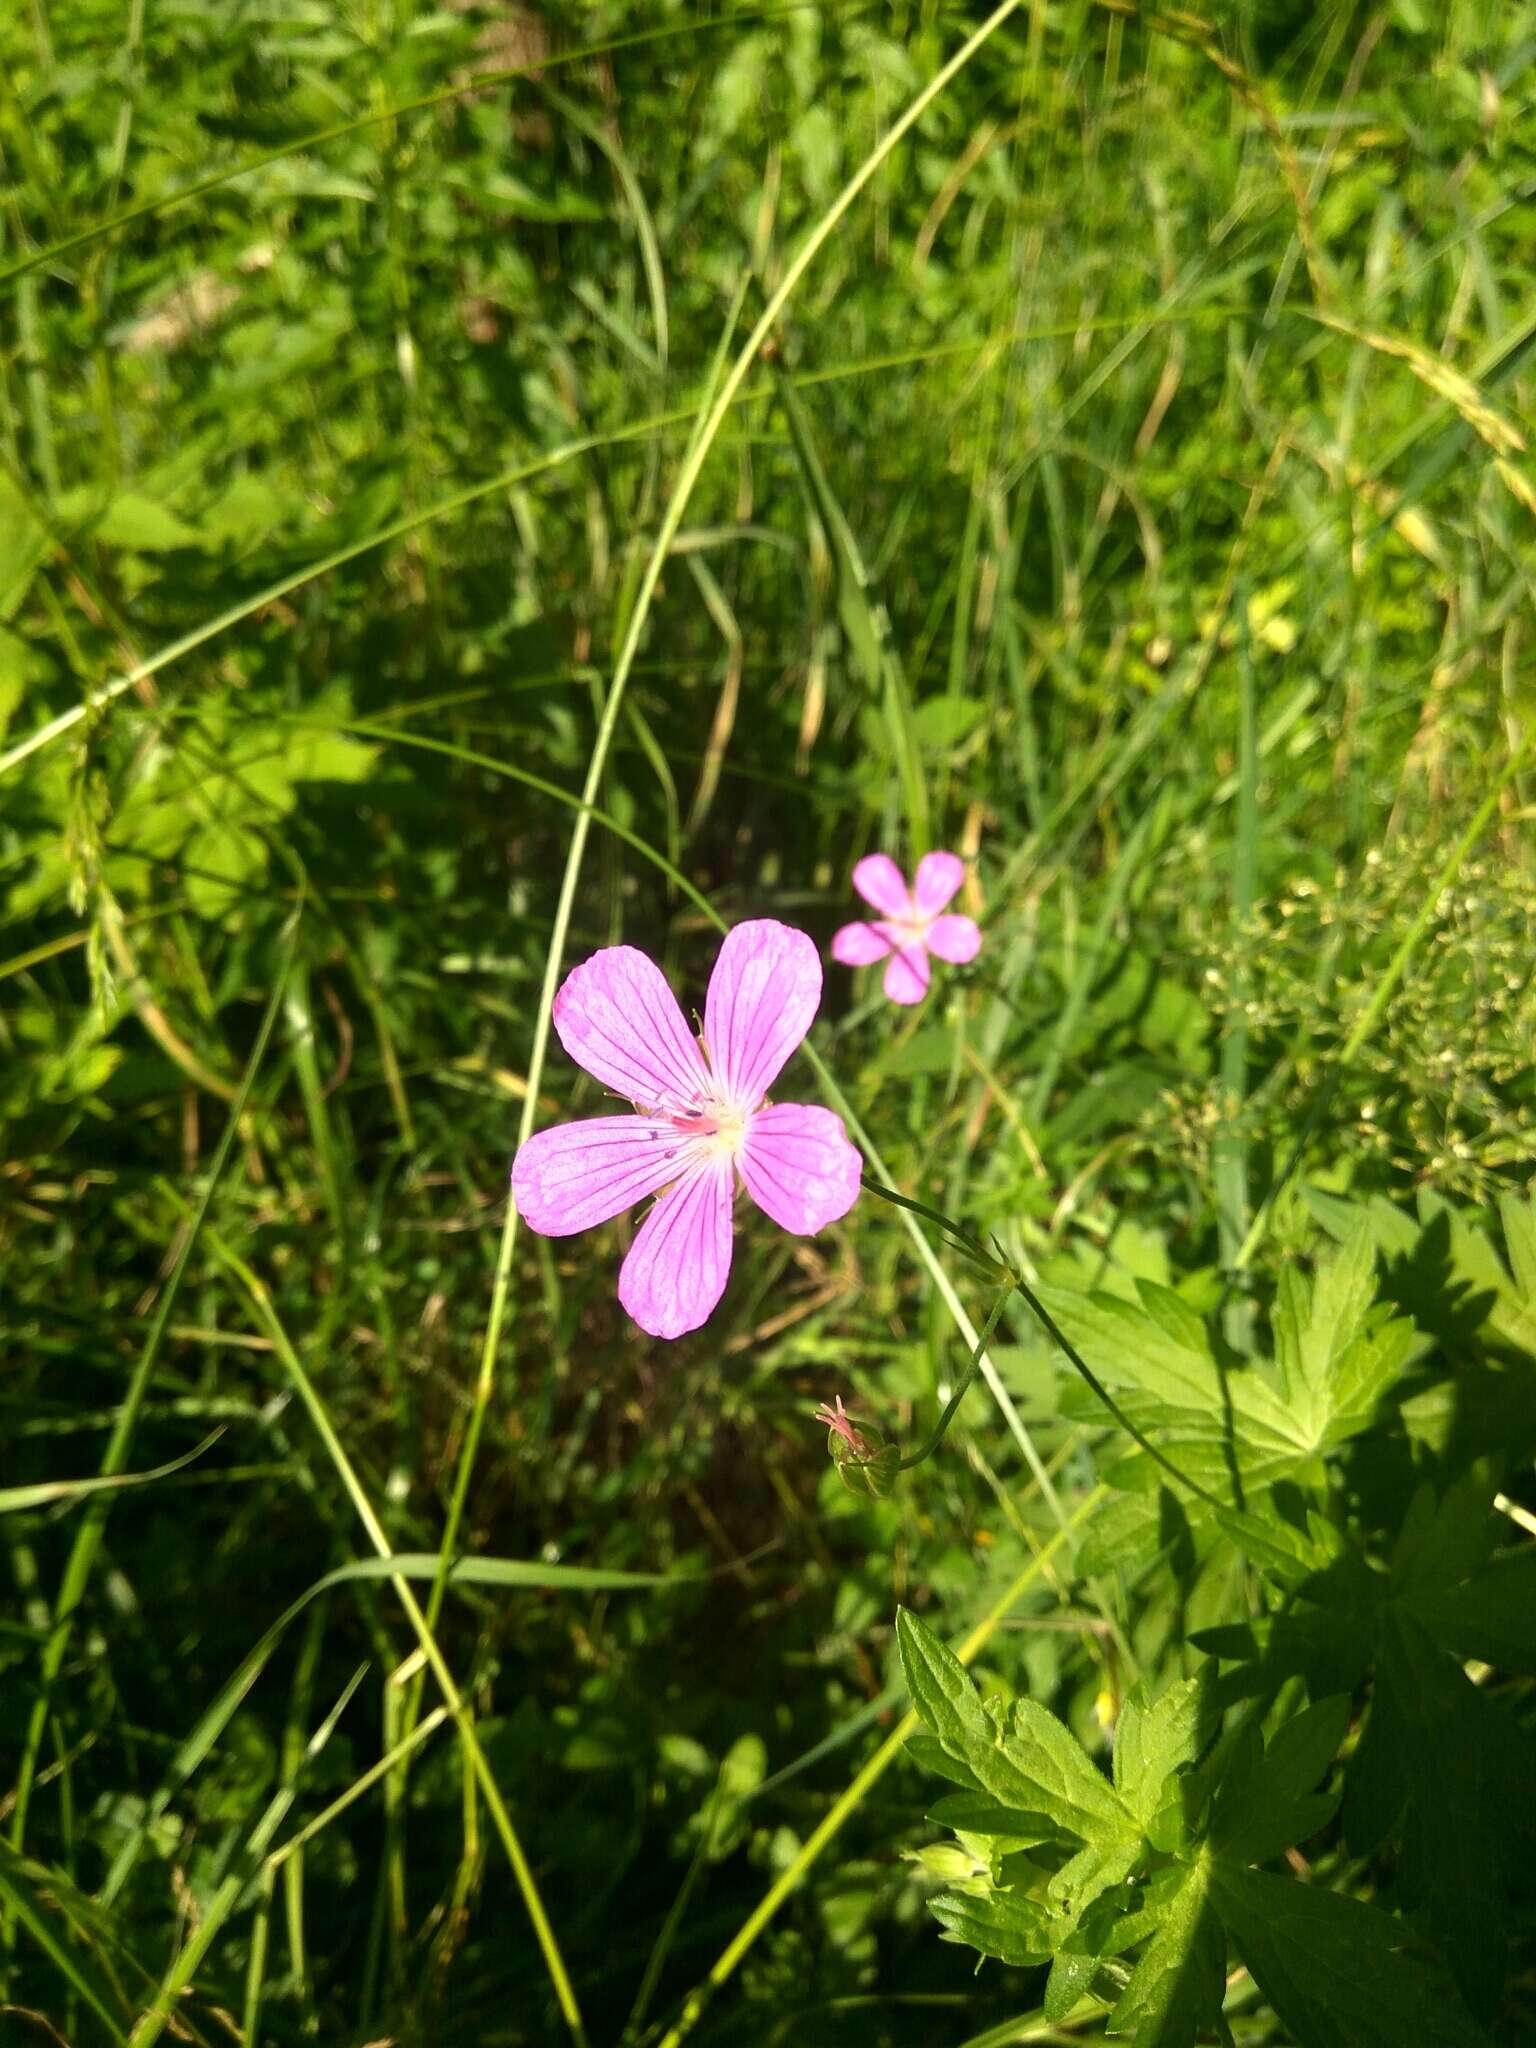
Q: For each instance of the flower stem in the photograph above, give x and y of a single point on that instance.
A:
(1014, 1281)
(972, 1367)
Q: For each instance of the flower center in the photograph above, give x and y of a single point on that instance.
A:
(720, 1125)
(906, 931)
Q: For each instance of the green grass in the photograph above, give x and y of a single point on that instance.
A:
(479, 484)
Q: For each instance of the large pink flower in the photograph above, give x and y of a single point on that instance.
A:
(702, 1119)
(911, 924)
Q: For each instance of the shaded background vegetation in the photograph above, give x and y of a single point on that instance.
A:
(1136, 496)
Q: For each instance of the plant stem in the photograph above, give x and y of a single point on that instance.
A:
(972, 1366)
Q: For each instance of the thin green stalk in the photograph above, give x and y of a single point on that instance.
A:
(1016, 1281)
(849, 1801)
(427, 1726)
(1230, 1152)
(1058, 1336)
(931, 1443)
(158, 2015)
(88, 1536)
(261, 1301)
(945, 1286)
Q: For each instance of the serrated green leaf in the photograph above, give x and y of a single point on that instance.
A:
(1071, 1978)
(1154, 1739)
(1130, 1531)
(1336, 1352)
(1491, 1615)
(1266, 1801)
(929, 1754)
(1158, 1361)
(1448, 1768)
(1031, 1763)
(1519, 1220)
(1277, 1548)
(1176, 1988)
(1094, 1870)
(1337, 1972)
(970, 1813)
(1000, 1924)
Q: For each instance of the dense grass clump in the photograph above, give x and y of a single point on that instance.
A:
(482, 484)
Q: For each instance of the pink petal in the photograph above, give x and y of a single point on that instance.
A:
(856, 945)
(575, 1176)
(880, 882)
(762, 998)
(954, 938)
(799, 1167)
(906, 976)
(677, 1267)
(616, 1017)
(939, 875)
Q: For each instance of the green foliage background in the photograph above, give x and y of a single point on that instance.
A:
(1136, 494)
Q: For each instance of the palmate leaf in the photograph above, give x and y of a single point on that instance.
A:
(1176, 1987)
(1338, 1973)
(1014, 1929)
(1338, 1353)
(1491, 1615)
(1335, 1970)
(1154, 1740)
(1266, 1801)
(1444, 1766)
(1028, 1761)
(1155, 1355)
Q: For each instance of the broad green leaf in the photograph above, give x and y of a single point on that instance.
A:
(1338, 1972)
(222, 862)
(134, 520)
(1016, 1930)
(971, 1813)
(1071, 1787)
(1266, 1801)
(929, 1754)
(1519, 1220)
(1155, 1356)
(1176, 1988)
(1111, 1926)
(1277, 1548)
(1031, 1763)
(1103, 1863)
(1453, 1773)
(1335, 1351)
(1491, 1615)
(1392, 1232)
(1130, 1531)
(1154, 1739)
(1312, 1323)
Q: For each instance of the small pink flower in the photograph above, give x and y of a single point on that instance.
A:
(703, 1119)
(840, 1423)
(911, 924)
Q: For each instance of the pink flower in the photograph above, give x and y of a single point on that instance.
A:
(840, 1423)
(911, 924)
(702, 1121)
